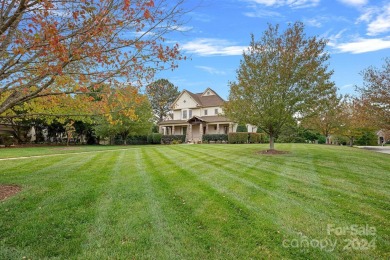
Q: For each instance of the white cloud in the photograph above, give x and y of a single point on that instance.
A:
(354, 2)
(260, 13)
(182, 28)
(313, 22)
(367, 15)
(291, 3)
(211, 70)
(381, 23)
(267, 2)
(334, 38)
(348, 86)
(213, 47)
(362, 45)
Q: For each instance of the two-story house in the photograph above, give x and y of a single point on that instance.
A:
(197, 114)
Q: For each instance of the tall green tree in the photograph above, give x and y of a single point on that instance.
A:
(376, 92)
(161, 94)
(325, 116)
(280, 76)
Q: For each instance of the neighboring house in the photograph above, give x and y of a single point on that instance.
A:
(197, 114)
(383, 136)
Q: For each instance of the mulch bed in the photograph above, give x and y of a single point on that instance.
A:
(7, 191)
(272, 152)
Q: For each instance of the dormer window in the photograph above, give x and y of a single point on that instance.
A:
(216, 111)
(208, 93)
(205, 112)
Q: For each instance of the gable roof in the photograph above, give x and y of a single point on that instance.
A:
(202, 100)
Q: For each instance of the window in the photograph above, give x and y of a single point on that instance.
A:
(216, 111)
(184, 114)
(205, 112)
(189, 113)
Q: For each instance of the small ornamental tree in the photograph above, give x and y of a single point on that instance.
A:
(279, 78)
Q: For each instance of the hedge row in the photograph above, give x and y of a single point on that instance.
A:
(214, 137)
(131, 139)
(169, 139)
(154, 138)
(242, 138)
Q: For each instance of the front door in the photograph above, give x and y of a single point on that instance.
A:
(184, 130)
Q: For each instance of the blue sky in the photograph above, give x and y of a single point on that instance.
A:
(217, 32)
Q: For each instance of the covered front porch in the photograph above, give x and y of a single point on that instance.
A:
(196, 127)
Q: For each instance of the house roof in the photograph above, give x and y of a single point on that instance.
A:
(204, 100)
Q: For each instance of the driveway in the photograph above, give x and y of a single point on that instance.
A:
(379, 149)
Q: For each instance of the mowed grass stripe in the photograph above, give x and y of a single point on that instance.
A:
(302, 174)
(300, 193)
(59, 211)
(104, 236)
(257, 227)
(256, 177)
(189, 239)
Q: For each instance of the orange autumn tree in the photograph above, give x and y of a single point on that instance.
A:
(126, 112)
(51, 48)
(355, 118)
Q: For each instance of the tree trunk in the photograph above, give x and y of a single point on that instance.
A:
(271, 142)
(351, 141)
(124, 137)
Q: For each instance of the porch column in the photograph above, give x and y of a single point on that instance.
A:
(189, 135)
(173, 130)
(207, 128)
(201, 130)
(160, 129)
(217, 128)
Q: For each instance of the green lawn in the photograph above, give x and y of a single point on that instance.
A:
(196, 202)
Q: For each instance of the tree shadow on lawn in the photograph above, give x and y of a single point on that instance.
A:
(272, 152)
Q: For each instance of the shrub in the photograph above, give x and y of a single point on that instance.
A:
(238, 138)
(368, 138)
(214, 137)
(242, 129)
(321, 139)
(168, 139)
(254, 138)
(149, 138)
(156, 138)
(6, 140)
(137, 139)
